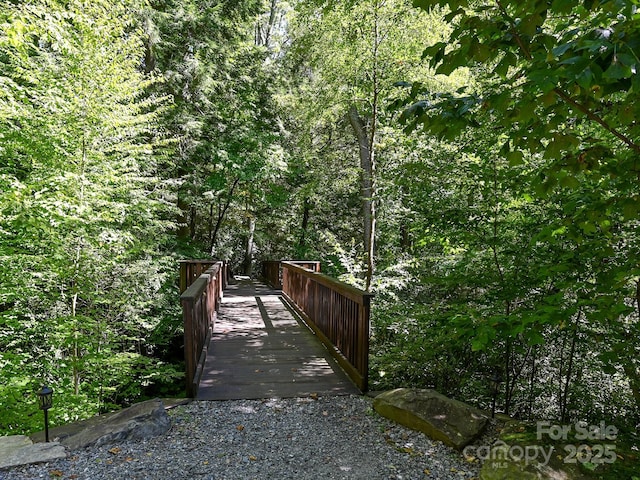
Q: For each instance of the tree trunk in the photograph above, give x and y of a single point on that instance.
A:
(367, 163)
(405, 241)
(507, 377)
(532, 379)
(183, 218)
(222, 211)
(263, 33)
(564, 397)
(193, 217)
(149, 57)
(366, 146)
(629, 363)
(272, 18)
(306, 210)
(248, 254)
(634, 380)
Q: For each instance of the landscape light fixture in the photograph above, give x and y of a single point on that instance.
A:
(495, 380)
(45, 400)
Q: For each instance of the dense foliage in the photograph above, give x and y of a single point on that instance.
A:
(107, 124)
(556, 94)
(505, 193)
(472, 163)
(86, 219)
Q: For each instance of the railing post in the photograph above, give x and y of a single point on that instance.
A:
(225, 275)
(189, 364)
(365, 319)
(190, 270)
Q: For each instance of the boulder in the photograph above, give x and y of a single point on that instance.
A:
(453, 422)
(20, 450)
(138, 422)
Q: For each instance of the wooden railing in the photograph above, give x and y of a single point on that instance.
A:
(338, 313)
(272, 270)
(272, 273)
(200, 302)
(190, 270)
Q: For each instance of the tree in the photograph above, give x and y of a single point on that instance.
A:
(351, 55)
(222, 114)
(83, 209)
(558, 79)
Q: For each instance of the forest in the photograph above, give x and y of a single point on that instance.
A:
(475, 164)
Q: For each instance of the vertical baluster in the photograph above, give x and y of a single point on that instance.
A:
(336, 310)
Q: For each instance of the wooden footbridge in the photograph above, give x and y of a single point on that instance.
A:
(305, 334)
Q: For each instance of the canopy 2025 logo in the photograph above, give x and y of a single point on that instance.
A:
(594, 453)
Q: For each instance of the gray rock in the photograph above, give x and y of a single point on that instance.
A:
(453, 422)
(20, 450)
(138, 422)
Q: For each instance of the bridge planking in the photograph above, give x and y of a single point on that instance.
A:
(259, 349)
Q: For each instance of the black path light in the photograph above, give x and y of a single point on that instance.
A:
(495, 381)
(45, 400)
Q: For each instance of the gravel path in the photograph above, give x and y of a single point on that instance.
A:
(279, 439)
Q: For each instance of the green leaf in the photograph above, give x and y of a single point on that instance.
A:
(450, 16)
(585, 79)
(515, 158)
(563, 6)
(588, 227)
(553, 151)
(535, 338)
(426, 4)
(480, 52)
(617, 71)
(630, 209)
(435, 53)
(560, 50)
(530, 24)
(479, 344)
(570, 182)
(577, 61)
(452, 62)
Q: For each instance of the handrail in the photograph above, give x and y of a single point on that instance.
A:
(191, 269)
(337, 312)
(272, 273)
(200, 303)
(272, 270)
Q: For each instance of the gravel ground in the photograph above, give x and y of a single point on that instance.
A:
(279, 439)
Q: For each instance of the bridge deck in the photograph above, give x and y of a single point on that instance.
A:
(260, 350)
